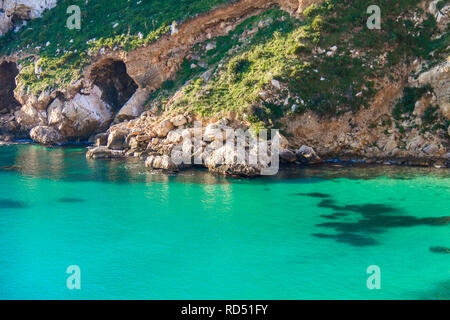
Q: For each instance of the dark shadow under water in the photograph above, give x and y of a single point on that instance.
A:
(373, 219)
(70, 164)
(11, 204)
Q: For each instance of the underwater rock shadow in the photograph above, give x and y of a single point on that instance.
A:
(365, 209)
(353, 239)
(70, 200)
(441, 291)
(376, 219)
(334, 216)
(11, 204)
(314, 195)
(441, 250)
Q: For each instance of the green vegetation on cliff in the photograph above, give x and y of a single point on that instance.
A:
(104, 23)
(328, 63)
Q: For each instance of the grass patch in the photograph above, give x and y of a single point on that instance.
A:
(329, 83)
(120, 24)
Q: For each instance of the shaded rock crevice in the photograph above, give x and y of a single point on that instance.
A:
(111, 77)
(8, 73)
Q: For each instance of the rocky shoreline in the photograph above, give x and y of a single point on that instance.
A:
(158, 143)
(162, 163)
(107, 107)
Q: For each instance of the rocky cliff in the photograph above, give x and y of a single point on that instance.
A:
(15, 13)
(314, 71)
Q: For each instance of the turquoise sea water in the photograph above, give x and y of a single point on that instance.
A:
(308, 233)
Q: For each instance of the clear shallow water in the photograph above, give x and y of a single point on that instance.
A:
(306, 234)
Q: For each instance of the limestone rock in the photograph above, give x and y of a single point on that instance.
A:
(225, 160)
(29, 117)
(117, 139)
(135, 106)
(284, 143)
(46, 135)
(174, 137)
(307, 155)
(442, 16)
(17, 10)
(287, 156)
(102, 153)
(439, 78)
(43, 101)
(211, 46)
(164, 128)
(179, 121)
(216, 131)
(276, 84)
(160, 162)
(5, 23)
(82, 116)
(101, 139)
(54, 112)
(431, 149)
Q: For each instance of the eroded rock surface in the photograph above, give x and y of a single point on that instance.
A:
(46, 135)
(81, 116)
(13, 12)
(439, 79)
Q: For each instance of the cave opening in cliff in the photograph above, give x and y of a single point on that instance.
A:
(113, 80)
(8, 74)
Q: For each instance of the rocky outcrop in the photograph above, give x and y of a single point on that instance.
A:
(287, 156)
(442, 15)
(46, 135)
(117, 84)
(81, 116)
(439, 79)
(225, 160)
(164, 146)
(14, 12)
(78, 117)
(102, 152)
(134, 107)
(151, 66)
(29, 116)
(117, 139)
(307, 155)
(158, 162)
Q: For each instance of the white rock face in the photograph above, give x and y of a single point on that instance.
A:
(5, 23)
(46, 135)
(29, 117)
(161, 162)
(82, 116)
(442, 15)
(135, 106)
(439, 79)
(21, 10)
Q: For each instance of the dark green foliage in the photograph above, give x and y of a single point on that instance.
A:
(430, 115)
(407, 103)
(168, 84)
(300, 49)
(236, 67)
(441, 4)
